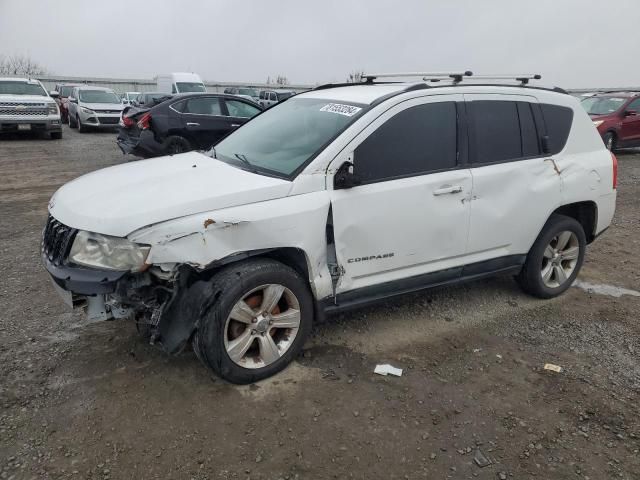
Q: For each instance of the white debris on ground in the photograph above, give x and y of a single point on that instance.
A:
(387, 369)
(603, 289)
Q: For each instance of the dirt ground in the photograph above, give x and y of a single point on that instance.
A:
(95, 402)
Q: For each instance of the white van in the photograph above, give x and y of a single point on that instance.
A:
(335, 198)
(180, 83)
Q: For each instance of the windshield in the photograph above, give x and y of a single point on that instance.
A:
(602, 105)
(21, 88)
(65, 91)
(286, 136)
(98, 96)
(248, 91)
(190, 87)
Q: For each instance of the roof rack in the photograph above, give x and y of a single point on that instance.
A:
(522, 78)
(426, 76)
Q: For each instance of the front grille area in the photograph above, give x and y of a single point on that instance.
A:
(109, 120)
(108, 111)
(29, 109)
(56, 240)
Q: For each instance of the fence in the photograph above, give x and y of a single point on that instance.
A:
(121, 85)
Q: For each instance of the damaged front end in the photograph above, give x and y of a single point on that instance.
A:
(150, 297)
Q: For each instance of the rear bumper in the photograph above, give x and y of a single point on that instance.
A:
(143, 146)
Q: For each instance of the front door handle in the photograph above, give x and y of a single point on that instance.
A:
(192, 124)
(447, 189)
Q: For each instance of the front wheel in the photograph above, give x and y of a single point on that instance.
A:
(81, 127)
(555, 258)
(259, 323)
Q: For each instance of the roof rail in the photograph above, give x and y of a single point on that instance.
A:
(432, 76)
(522, 78)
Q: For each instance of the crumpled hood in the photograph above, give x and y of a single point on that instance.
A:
(121, 199)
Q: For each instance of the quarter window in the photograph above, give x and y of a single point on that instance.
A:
(558, 121)
(416, 141)
(241, 109)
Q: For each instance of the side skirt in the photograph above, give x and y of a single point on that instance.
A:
(509, 265)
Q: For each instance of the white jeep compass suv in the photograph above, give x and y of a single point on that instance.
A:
(337, 197)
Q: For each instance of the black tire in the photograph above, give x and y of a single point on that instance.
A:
(72, 122)
(610, 140)
(55, 135)
(176, 144)
(81, 127)
(530, 278)
(231, 285)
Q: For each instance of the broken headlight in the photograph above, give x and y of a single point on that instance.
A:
(109, 253)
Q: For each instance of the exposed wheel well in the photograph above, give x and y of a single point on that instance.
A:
(290, 256)
(584, 212)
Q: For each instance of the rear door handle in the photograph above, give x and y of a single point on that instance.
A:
(192, 124)
(447, 189)
(234, 125)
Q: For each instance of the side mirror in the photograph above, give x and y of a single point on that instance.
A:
(345, 178)
(630, 113)
(73, 100)
(54, 94)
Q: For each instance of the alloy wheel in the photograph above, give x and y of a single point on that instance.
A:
(560, 259)
(262, 326)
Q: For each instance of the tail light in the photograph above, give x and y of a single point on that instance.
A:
(127, 122)
(145, 121)
(615, 170)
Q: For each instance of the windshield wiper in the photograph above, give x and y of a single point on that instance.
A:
(250, 166)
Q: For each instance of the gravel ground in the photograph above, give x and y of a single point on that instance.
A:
(94, 402)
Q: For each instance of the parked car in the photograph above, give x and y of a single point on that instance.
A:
(180, 83)
(64, 90)
(268, 98)
(336, 198)
(246, 92)
(186, 122)
(94, 107)
(617, 118)
(149, 99)
(128, 98)
(25, 106)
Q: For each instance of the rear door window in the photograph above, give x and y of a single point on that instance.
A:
(203, 106)
(496, 127)
(416, 141)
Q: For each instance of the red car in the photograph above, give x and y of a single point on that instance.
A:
(616, 115)
(64, 90)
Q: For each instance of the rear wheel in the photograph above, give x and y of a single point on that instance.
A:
(177, 144)
(555, 258)
(610, 141)
(261, 318)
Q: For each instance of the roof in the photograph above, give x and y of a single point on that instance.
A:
(355, 93)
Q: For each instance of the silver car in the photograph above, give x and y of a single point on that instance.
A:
(94, 107)
(267, 98)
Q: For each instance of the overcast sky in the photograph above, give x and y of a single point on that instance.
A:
(572, 43)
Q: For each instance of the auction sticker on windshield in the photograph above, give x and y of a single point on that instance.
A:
(346, 110)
